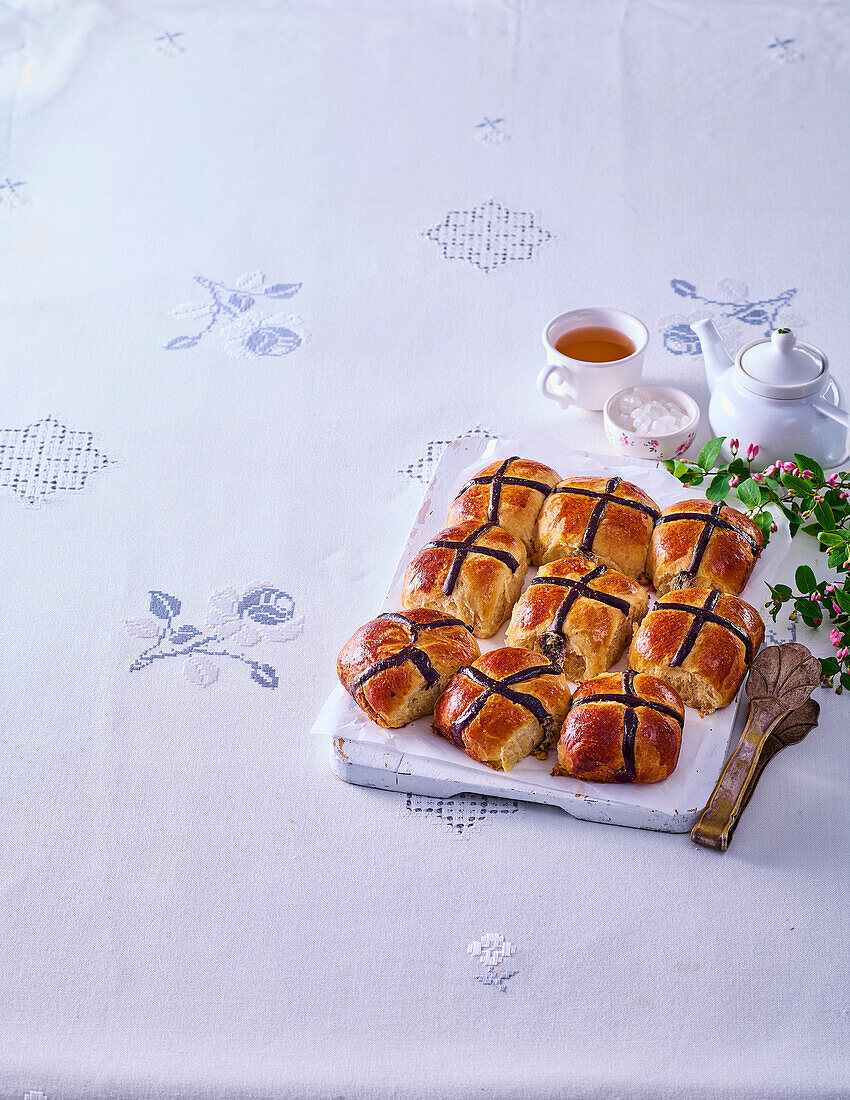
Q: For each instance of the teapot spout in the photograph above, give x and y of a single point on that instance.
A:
(717, 358)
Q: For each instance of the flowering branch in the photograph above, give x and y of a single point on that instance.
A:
(812, 502)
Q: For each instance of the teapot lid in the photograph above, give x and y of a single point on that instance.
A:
(779, 367)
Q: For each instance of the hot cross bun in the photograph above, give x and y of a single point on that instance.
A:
(508, 704)
(397, 665)
(700, 642)
(473, 571)
(622, 728)
(510, 493)
(578, 614)
(606, 519)
(697, 544)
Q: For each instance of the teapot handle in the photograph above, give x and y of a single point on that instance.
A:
(827, 408)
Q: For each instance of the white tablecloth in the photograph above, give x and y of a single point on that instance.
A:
(370, 209)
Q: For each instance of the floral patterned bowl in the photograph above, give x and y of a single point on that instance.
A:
(628, 442)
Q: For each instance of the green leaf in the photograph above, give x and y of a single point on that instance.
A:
(836, 557)
(825, 516)
(781, 591)
(829, 666)
(842, 598)
(831, 538)
(679, 468)
(798, 485)
(719, 487)
(845, 680)
(708, 455)
(805, 578)
(749, 493)
(669, 465)
(764, 522)
(806, 463)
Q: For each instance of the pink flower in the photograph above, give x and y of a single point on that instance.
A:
(844, 494)
(733, 481)
(752, 451)
(834, 479)
(757, 477)
(807, 474)
(842, 653)
(830, 588)
(815, 596)
(733, 446)
(835, 636)
(788, 466)
(771, 470)
(836, 608)
(773, 528)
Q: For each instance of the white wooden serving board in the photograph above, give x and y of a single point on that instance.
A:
(415, 760)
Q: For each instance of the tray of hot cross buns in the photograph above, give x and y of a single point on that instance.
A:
(562, 627)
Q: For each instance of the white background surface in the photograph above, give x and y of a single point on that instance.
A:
(190, 903)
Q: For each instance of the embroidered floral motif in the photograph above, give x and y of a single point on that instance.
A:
(735, 315)
(488, 236)
(489, 131)
(462, 812)
(46, 458)
(261, 613)
(168, 46)
(783, 53)
(782, 633)
(491, 951)
(423, 468)
(11, 196)
(233, 311)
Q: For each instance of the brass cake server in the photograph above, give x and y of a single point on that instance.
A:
(779, 685)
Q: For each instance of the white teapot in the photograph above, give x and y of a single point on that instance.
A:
(777, 393)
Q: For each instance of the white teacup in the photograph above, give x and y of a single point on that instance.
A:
(589, 385)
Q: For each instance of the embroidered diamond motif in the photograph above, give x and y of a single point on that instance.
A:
(489, 235)
(463, 812)
(46, 458)
(423, 468)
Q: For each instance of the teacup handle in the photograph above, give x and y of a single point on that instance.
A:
(566, 396)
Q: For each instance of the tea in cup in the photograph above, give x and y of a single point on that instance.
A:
(590, 354)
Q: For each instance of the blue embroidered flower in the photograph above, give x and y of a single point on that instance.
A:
(732, 309)
(11, 196)
(681, 340)
(272, 340)
(261, 613)
(166, 44)
(245, 331)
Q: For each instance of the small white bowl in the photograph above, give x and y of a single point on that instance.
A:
(634, 445)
